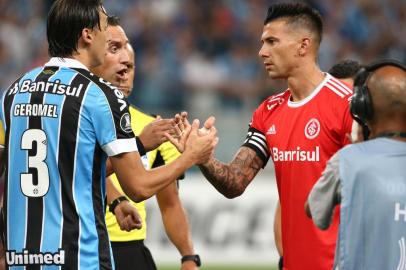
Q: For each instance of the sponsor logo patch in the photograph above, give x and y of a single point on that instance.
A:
(296, 154)
(25, 257)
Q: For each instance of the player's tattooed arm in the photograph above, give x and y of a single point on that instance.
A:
(232, 179)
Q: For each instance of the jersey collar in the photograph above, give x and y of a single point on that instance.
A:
(65, 62)
(295, 104)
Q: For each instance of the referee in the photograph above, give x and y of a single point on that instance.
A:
(128, 247)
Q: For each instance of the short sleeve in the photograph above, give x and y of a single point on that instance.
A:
(256, 138)
(112, 121)
(326, 194)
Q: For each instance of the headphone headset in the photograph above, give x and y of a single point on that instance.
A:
(361, 105)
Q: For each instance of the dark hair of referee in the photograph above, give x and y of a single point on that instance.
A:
(66, 20)
(113, 21)
(297, 15)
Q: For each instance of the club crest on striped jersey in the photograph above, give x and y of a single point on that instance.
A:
(125, 123)
(312, 128)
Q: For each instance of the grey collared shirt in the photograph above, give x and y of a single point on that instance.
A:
(326, 194)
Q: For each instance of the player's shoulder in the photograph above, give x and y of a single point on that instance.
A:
(102, 84)
(15, 85)
(114, 96)
(337, 90)
(29, 75)
(275, 101)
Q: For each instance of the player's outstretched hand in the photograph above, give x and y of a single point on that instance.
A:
(127, 216)
(154, 134)
(201, 144)
(181, 131)
(207, 126)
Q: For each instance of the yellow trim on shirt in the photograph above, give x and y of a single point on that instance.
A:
(168, 152)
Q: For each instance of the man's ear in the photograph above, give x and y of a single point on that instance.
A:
(304, 46)
(87, 35)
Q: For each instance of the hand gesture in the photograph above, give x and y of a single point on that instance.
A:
(182, 130)
(201, 144)
(154, 134)
(127, 216)
(208, 125)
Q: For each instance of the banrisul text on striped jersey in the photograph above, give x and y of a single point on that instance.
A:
(56, 87)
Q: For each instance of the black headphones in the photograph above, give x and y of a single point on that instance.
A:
(361, 103)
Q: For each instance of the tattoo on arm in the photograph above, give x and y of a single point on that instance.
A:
(232, 179)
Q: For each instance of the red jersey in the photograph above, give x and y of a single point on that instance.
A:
(300, 137)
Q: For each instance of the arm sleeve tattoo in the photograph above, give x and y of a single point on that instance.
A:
(232, 179)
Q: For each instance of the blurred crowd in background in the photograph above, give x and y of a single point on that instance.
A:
(202, 55)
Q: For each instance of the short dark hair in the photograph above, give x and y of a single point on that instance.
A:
(299, 14)
(65, 22)
(113, 21)
(345, 69)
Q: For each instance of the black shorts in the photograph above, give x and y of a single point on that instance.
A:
(132, 255)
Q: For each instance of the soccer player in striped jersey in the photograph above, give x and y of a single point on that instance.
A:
(299, 129)
(128, 247)
(61, 122)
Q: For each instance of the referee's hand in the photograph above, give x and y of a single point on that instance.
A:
(153, 134)
(127, 216)
(181, 131)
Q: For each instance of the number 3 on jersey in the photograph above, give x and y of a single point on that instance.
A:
(35, 185)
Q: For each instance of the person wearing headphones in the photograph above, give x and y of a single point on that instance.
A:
(368, 179)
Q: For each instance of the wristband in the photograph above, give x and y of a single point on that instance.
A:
(116, 202)
(195, 258)
(140, 146)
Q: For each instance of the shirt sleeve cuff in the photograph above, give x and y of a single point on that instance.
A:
(120, 146)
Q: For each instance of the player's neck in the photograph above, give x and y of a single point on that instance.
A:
(304, 81)
(83, 58)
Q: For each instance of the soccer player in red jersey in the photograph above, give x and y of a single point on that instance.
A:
(300, 129)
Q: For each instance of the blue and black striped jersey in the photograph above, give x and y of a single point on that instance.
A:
(61, 122)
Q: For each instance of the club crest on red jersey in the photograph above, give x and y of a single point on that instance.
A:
(312, 128)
